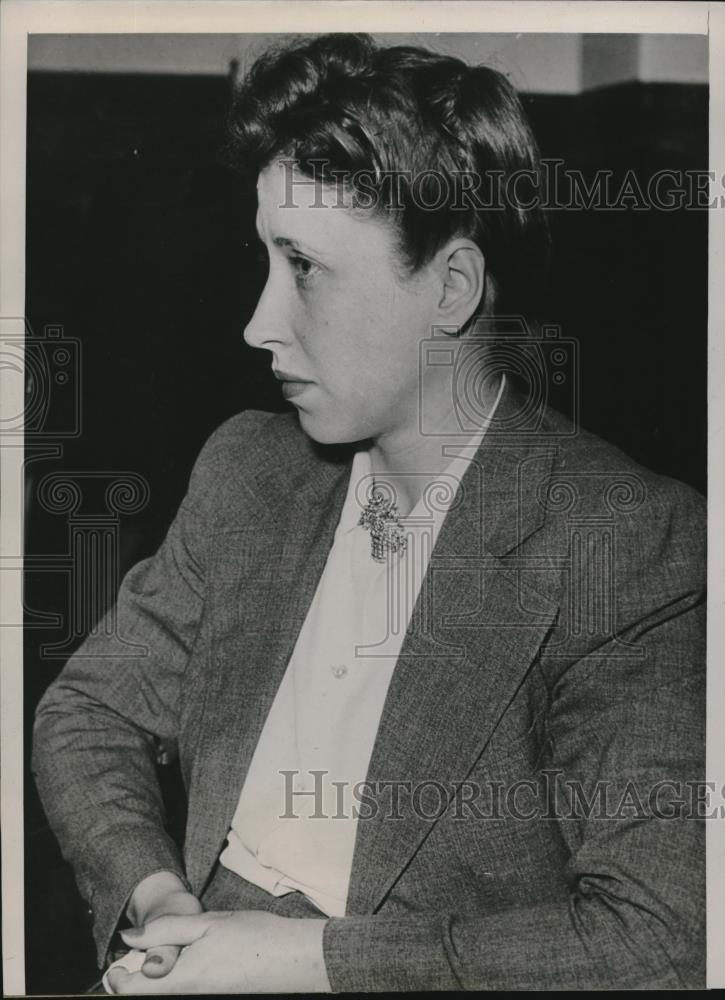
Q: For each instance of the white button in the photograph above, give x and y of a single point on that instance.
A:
(339, 671)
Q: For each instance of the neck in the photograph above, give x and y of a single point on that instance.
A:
(409, 460)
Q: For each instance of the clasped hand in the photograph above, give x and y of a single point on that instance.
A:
(247, 951)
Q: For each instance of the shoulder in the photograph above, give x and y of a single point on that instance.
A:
(657, 524)
(247, 443)
(601, 472)
(243, 441)
(250, 449)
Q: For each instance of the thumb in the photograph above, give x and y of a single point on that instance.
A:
(160, 961)
(170, 929)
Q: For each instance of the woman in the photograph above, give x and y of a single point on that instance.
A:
(436, 693)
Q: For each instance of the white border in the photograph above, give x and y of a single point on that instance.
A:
(716, 511)
(18, 18)
(83, 16)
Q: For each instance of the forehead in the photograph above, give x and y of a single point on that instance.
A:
(293, 206)
(283, 184)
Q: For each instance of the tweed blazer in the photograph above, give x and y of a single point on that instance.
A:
(529, 819)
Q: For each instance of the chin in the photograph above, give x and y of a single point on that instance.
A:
(328, 430)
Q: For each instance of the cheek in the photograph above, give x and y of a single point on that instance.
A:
(402, 326)
(309, 325)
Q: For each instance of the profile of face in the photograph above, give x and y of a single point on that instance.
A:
(342, 322)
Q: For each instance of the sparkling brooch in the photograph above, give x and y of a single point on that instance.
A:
(380, 517)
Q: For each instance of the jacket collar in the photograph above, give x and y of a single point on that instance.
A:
(498, 499)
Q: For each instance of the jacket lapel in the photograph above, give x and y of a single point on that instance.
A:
(266, 573)
(473, 635)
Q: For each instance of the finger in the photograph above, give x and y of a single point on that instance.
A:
(169, 930)
(137, 984)
(114, 979)
(118, 980)
(160, 961)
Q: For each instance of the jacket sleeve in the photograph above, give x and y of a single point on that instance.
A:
(632, 733)
(93, 752)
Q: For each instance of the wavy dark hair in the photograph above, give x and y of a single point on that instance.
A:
(412, 133)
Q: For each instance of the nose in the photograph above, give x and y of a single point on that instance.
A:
(269, 325)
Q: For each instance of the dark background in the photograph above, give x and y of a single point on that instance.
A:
(135, 246)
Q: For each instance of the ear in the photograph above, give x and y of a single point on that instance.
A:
(462, 273)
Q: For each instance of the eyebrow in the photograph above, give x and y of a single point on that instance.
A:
(287, 241)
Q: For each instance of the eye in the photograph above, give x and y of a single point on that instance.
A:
(304, 269)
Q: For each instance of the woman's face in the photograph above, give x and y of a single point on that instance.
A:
(344, 328)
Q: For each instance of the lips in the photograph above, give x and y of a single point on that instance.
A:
(283, 376)
(290, 389)
(292, 385)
